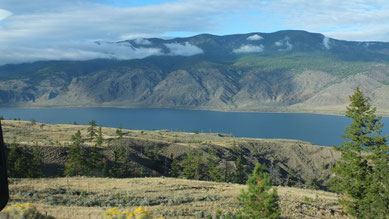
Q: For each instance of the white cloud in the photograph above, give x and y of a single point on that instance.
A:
(74, 51)
(378, 33)
(45, 24)
(279, 43)
(187, 49)
(142, 41)
(255, 37)
(4, 14)
(348, 20)
(249, 49)
(326, 42)
(284, 43)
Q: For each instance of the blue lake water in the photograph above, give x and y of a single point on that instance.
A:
(318, 129)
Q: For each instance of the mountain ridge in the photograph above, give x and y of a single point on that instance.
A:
(285, 71)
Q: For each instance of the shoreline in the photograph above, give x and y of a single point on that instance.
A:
(283, 111)
(315, 112)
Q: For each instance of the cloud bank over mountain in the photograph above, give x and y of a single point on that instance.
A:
(249, 49)
(67, 28)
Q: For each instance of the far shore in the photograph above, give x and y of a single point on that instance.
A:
(333, 112)
(323, 111)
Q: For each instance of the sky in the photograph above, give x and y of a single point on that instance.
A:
(32, 30)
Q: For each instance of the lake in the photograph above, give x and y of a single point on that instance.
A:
(318, 129)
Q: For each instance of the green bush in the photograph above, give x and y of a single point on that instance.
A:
(260, 200)
(23, 163)
(25, 210)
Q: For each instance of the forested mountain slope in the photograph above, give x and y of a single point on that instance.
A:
(283, 71)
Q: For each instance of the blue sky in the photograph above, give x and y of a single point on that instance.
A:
(66, 29)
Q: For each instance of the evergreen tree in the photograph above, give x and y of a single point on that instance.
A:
(115, 169)
(227, 167)
(155, 154)
(36, 169)
(24, 164)
(187, 163)
(119, 132)
(99, 139)
(214, 173)
(13, 155)
(362, 173)
(157, 163)
(240, 172)
(95, 162)
(174, 170)
(121, 166)
(76, 164)
(92, 129)
(17, 162)
(193, 166)
(260, 200)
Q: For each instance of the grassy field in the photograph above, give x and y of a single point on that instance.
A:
(25, 132)
(81, 197)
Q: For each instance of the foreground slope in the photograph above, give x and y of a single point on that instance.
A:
(285, 71)
(80, 197)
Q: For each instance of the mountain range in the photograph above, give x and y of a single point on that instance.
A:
(284, 71)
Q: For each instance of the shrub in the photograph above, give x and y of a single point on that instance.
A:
(25, 210)
(139, 213)
(259, 201)
(24, 163)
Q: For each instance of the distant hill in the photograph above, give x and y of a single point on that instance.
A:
(285, 71)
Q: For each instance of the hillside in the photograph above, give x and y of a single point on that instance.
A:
(81, 197)
(290, 162)
(285, 71)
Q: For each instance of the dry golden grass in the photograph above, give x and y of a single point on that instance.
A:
(24, 132)
(173, 198)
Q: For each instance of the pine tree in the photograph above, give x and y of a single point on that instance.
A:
(214, 173)
(240, 172)
(187, 163)
(193, 166)
(95, 161)
(121, 166)
(119, 132)
(24, 164)
(92, 129)
(18, 162)
(13, 155)
(362, 173)
(155, 155)
(36, 169)
(260, 200)
(99, 139)
(174, 170)
(76, 164)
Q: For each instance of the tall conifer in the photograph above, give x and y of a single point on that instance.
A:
(361, 174)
